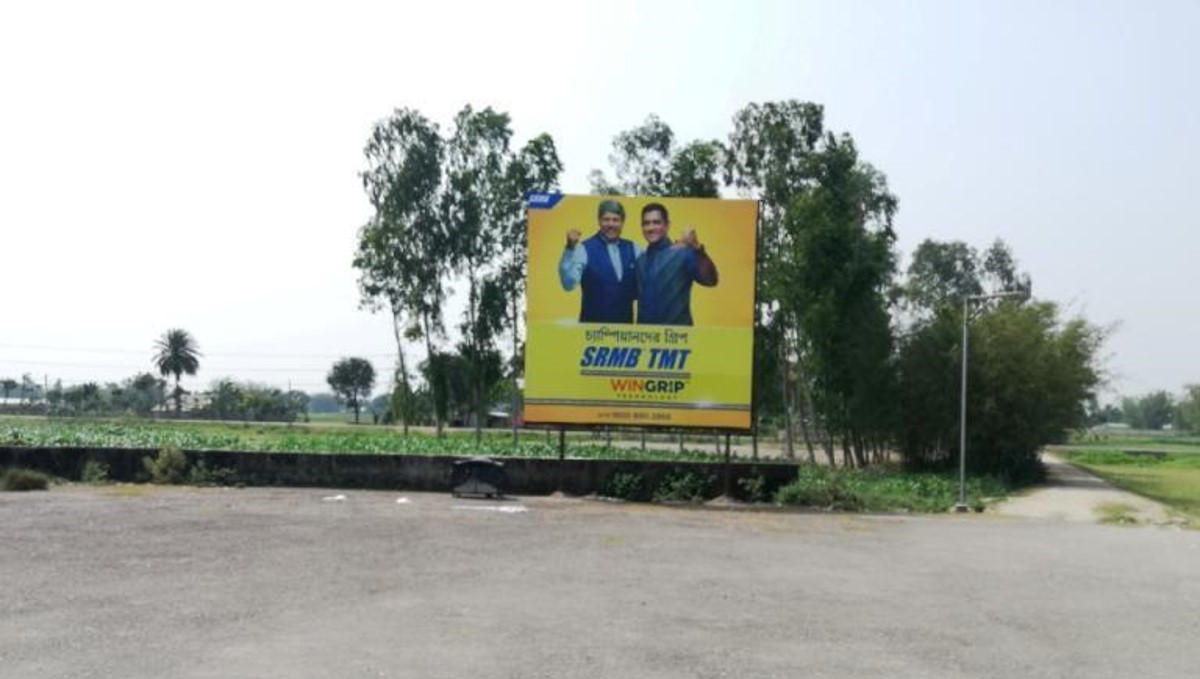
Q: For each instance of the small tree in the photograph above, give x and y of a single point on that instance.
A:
(352, 380)
(7, 386)
(1187, 410)
(176, 353)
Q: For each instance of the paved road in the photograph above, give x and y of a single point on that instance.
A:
(144, 582)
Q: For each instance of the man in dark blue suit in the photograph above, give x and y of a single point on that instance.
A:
(603, 267)
(666, 271)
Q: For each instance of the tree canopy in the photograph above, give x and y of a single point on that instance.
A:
(176, 353)
(352, 379)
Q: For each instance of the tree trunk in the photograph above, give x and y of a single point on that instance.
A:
(437, 386)
(402, 369)
(788, 446)
(860, 456)
(512, 414)
(476, 373)
(804, 431)
(754, 438)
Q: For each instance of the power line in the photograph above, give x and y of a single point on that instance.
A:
(146, 367)
(206, 354)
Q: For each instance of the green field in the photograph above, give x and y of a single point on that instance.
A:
(311, 438)
(1173, 479)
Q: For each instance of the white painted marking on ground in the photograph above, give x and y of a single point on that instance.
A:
(503, 509)
(403, 501)
(334, 498)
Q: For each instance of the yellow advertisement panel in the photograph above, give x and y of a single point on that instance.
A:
(640, 311)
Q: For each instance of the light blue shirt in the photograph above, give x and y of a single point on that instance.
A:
(570, 267)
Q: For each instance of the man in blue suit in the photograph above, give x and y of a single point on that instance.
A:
(603, 267)
(666, 271)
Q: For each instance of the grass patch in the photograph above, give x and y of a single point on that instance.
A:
(127, 491)
(1173, 480)
(1117, 514)
(882, 490)
(1119, 442)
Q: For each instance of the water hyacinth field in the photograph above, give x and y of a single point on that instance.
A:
(258, 437)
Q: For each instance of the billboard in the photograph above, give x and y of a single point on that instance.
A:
(640, 311)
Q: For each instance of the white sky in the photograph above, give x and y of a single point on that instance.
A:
(164, 165)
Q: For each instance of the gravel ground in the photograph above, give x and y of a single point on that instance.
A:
(148, 582)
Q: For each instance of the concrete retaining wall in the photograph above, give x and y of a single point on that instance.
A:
(529, 476)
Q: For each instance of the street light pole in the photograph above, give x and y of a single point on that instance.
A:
(962, 421)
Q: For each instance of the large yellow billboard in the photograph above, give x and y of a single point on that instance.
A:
(640, 311)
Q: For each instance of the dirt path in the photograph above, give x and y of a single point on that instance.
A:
(1073, 494)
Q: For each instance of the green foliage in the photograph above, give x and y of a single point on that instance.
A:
(625, 486)
(1151, 411)
(647, 162)
(176, 354)
(478, 208)
(168, 467)
(1116, 458)
(1030, 372)
(838, 246)
(403, 250)
(7, 386)
(683, 487)
(201, 475)
(19, 479)
(1187, 410)
(942, 274)
(94, 471)
(305, 439)
(352, 379)
(754, 488)
(881, 490)
(767, 151)
(1117, 514)
(323, 403)
(231, 400)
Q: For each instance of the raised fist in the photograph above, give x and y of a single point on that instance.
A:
(689, 238)
(573, 237)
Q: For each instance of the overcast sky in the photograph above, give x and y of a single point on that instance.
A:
(163, 166)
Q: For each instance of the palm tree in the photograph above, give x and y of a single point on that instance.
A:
(177, 354)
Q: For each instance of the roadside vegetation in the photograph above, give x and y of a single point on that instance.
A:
(18, 479)
(884, 490)
(1172, 478)
(311, 439)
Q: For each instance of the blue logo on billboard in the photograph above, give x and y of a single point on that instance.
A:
(537, 200)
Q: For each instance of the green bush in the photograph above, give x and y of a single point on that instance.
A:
(754, 488)
(625, 486)
(94, 472)
(682, 487)
(820, 487)
(201, 475)
(882, 490)
(16, 478)
(169, 467)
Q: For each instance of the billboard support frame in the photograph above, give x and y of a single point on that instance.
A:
(752, 430)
